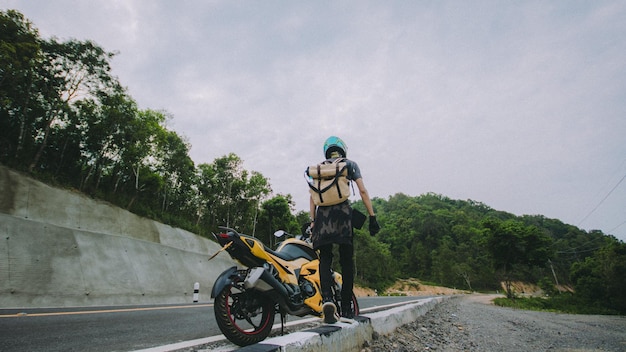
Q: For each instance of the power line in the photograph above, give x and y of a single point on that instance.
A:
(618, 226)
(573, 251)
(602, 201)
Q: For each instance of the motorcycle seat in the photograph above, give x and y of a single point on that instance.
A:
(292, 252)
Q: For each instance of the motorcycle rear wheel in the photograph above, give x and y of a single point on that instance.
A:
(355, 305)
(244, 317)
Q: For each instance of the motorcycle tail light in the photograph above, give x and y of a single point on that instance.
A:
(223, 235)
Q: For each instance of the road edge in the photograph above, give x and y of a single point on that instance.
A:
(341, 336)
(347, 336)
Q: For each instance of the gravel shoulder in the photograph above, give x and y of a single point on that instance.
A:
(473, 323)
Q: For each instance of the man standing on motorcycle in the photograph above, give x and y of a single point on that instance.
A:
(333, 225)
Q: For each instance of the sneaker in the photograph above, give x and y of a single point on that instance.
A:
(330, 313)
(347, 320)
(347, 313)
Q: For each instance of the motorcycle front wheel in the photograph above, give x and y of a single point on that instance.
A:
(244, 317)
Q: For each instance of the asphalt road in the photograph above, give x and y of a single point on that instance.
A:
(117, 328)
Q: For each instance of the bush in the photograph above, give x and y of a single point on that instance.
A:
(562, 303)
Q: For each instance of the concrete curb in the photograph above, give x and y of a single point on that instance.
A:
(347, 336)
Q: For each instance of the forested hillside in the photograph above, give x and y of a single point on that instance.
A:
(467, 244)
(66, 120)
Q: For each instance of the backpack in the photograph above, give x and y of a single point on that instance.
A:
(329, 184)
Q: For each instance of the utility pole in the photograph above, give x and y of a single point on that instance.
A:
(553, 273)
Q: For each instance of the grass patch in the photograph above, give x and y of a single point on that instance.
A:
(562, 303)
(527, 303)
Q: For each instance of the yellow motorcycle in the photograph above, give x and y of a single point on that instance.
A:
(284, 281)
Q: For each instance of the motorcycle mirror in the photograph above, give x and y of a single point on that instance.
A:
(279, 233)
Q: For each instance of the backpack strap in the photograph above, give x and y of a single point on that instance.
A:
(319, 184)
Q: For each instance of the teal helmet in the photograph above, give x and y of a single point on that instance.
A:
(335, 144)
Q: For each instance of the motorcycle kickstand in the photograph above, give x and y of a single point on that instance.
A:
(283, 319)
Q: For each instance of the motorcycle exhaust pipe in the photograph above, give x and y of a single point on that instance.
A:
(260, 279)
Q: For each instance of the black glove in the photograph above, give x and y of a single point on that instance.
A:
(374, 227)
(305, 229)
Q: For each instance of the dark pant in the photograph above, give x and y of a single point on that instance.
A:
(346, 252)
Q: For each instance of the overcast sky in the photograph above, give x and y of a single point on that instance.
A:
(520, 105)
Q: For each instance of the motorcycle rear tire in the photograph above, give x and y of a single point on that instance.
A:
(234, 312)
(355, 306)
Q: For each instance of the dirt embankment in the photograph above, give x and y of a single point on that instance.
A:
(414, 287)
(409, 287)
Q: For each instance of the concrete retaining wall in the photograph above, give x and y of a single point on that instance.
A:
(61, 248)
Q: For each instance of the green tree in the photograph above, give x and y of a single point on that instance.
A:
(137, 149)
(20, 55)
(600, 280)
(176, 168)
(230, 196)
(72, 70)
(276, 215)
(375, 266)
(514, 246)
(106, 122)
(472, 262)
